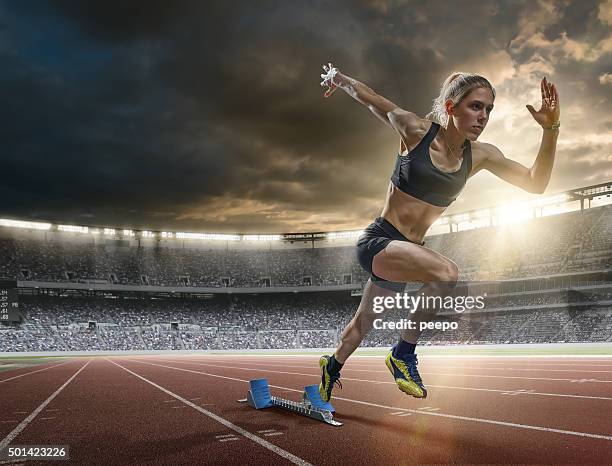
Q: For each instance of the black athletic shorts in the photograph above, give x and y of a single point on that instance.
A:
(374, 239)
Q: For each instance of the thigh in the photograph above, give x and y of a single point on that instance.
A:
(402, 261)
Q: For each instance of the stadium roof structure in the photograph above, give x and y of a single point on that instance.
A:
(477, 218)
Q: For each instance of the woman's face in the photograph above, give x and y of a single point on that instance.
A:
(471, 115)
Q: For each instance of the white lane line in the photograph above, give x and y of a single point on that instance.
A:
(21, 412)
(34, 372)
(23, 424)
(456, 374)
(266, 430)
(384, 350)
(492, 390)
(194, 399)
(370, 367)
(545, 364)
(271, 434)
(470, 362)
(45, 418)
(395, 408)
(179, 407)
(225, 435)
(520, 391)
(521, 369)
(51, 410)
(273, 448)
(232, 439)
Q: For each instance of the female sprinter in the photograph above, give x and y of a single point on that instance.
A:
(437, 155)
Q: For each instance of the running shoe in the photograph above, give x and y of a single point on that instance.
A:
(406, 375)
(328, 380)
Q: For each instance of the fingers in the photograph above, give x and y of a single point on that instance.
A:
(531, 109)
(544, 88)
(555, 95)
(549, 93)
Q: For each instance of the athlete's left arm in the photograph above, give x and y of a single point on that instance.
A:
(536, 178)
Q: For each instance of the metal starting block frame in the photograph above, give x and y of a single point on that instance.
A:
(312, 406)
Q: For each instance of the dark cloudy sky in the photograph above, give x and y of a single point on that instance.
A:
(209, 116)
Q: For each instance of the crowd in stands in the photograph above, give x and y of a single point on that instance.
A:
(575, 241)
(303, 320)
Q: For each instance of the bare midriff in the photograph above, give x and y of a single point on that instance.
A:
(411, 216)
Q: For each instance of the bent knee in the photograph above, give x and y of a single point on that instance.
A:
(448, 274)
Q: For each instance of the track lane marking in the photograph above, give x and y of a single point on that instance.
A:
(34, 372)
(316, 356)
(424, 356)
(23, 424)
(260, 441)
(503, 391)
(456, 374)
(395, 408)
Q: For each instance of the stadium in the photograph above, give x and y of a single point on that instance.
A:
(182, 309)
(314, 233)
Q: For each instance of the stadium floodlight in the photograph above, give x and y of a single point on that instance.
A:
(95, 231)
(261, 237)
(73, 228)
(344, 234)
(207, 236)
(147, 234)
(549, 200)
(442, 221)
(128, 233)
(167, 234)
(513, 213)
(460, 218)
(21, 224)
(109, 231)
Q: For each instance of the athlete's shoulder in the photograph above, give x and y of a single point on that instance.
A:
(483, 152)
(407, 123)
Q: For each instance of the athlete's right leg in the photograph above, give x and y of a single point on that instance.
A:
(404, 261)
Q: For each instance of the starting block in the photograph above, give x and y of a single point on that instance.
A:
(312, 406)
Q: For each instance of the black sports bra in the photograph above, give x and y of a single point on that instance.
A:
(416, 175)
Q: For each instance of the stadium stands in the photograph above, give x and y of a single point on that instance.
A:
(581, 241)
(574, 305)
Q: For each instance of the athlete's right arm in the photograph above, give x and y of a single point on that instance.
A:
(404, 122)
(377, 104)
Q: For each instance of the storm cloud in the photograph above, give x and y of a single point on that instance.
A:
(208, 116)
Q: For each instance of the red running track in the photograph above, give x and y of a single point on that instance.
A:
(176, 409)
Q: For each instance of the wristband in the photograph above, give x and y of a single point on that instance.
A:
(554, 126)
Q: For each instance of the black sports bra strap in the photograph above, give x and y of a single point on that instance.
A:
(427, 139)
(467, 157)
(431, 133)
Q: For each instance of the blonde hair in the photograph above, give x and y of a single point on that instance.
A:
(456, 87)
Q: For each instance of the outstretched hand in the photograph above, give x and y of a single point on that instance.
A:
(330, 79)
(550, 110)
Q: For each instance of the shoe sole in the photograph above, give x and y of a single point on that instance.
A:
(409, 388)
(322, 391)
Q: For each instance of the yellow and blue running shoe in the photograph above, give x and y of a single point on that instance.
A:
(406, 375)
(328, 379)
